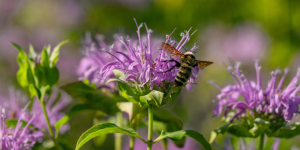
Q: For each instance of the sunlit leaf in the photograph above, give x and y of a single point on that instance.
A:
(101, 129)
(220, 130)
(55, 53)
(24, 74)
(127, 92)
(130, 108)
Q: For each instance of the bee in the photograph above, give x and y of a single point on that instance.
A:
(186, 64)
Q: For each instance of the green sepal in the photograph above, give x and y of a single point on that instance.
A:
(154, 97)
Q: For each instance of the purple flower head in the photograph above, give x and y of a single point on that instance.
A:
(274, 103)
(13, 103)
(141, 61)
(19, 137)
(13, 106)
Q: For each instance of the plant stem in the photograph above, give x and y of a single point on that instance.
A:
(131, 143)
(48, 124)
(150, 126)
(262, 142)
(118, 136)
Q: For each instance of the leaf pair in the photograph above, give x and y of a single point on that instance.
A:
(107, 128)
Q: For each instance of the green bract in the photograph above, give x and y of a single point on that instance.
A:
(256, 128)
(143, 96)
(38, 73)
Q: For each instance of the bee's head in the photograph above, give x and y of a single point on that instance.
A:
(188, 57)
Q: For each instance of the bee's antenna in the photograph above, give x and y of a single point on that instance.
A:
(184, 49)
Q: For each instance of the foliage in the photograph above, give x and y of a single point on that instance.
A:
(112, 128)
(38, 72)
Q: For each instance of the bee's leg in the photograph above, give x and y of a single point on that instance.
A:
(168, 69)
(177, 65)
(194, 65)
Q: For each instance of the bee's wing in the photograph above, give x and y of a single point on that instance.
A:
(202, 64)
(171, 50)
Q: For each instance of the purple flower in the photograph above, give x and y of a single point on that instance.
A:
(19, 137)
(13, 106)
(140, 60)
(274, 102)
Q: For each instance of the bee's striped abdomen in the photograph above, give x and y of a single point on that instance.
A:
(184, 74)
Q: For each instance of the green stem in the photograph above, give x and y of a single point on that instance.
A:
(48, 125)
(150, 126)
(131, 143)
(262, 142)
(118, 136)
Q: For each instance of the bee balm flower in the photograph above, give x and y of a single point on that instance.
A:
(273, 102)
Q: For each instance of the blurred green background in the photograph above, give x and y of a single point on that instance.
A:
(228, 31)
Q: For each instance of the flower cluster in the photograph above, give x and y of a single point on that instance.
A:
(272, 103)
(138, 59)
(19, 137)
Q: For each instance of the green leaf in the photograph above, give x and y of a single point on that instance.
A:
(220, 130)
(260, 126)
(45, 58)
(198, 137)
(55, 53)
(127, 92)
(130, 108)
(24, 74)
(32, 52)
(74, 110)
(99, 140)
(288, 131)
(153, 97)
(239, 131)
(43, 92)
(172, 95)
(178, 135)
(90, 96)
(101, 129)
(34, 91)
